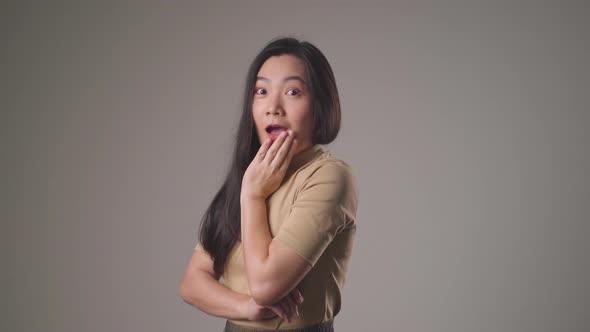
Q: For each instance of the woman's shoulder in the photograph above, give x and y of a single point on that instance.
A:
(330, 180)
(327, 167)
(327, 161)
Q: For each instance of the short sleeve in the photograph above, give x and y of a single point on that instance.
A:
(325, 205)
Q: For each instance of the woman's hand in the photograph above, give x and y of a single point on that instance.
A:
(253, 311)
(267, 170)
(287, 308)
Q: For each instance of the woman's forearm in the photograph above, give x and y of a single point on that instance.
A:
(205, 293)
(256, 235)
(256, 239)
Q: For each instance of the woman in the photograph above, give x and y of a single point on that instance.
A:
(280, 230)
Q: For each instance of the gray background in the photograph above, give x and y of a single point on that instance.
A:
(467, 125)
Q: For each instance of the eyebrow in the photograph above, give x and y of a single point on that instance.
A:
(295, 77)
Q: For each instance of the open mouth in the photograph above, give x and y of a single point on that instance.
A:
(275, 130)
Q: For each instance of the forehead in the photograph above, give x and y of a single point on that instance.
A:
(278, 67)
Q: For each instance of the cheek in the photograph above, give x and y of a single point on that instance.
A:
(258, 119)
(307, 118)
(305, 123)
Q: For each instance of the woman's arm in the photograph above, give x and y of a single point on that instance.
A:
(200, 288)
(325, 205)
(273, 269)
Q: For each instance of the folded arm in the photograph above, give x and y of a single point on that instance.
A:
(200, 288)
(324, 206)
(273, 269)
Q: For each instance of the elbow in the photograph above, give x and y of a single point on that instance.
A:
(263, 298)
(264, 294)
(185, 292)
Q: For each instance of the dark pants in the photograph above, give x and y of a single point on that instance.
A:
(327, 326)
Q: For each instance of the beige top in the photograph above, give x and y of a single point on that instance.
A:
(314, 213)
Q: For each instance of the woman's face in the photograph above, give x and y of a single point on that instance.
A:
(281, 98)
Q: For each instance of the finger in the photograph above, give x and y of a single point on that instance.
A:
(296, 295)
(274, 148)
(283, 151)
(292, 307)
(290, 155)
(287, 308)
(279, 310)
(263, 149)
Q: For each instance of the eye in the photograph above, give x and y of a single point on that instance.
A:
(296, 92)
(259, 91)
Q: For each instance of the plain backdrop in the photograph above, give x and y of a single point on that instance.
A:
(465, 122)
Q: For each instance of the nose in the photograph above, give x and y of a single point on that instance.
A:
(274, 106)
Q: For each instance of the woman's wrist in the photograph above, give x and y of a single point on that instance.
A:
(246, 196)
(242, 307)
(246, 310)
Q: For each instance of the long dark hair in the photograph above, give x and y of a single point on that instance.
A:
(220, 226)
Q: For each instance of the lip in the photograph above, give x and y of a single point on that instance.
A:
(274, 125)
(274, 134)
